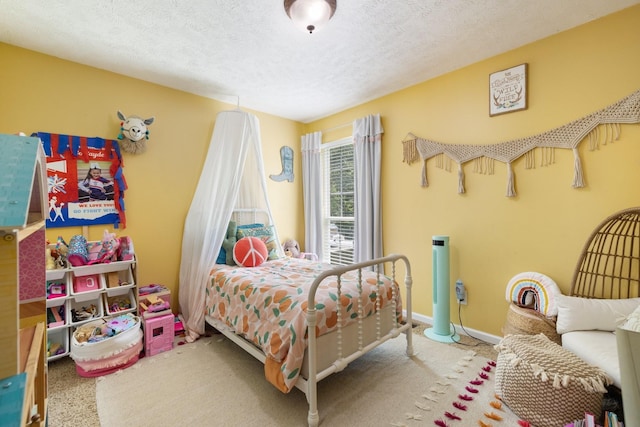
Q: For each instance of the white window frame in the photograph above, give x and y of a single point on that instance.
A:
(337, 249)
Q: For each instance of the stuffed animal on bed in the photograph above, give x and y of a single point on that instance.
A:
(291, 248)
(229, 242)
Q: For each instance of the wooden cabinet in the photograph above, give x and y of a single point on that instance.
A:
(23, 206)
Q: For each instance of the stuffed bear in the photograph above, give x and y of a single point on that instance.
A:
(291, 248)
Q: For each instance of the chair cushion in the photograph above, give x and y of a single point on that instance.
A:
(588, 314)
(597, 348)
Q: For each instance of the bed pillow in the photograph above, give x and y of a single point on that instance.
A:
(222, 256)
(245, 226)
(230, 240)
(250, 252)
(589, 314)
(264, 233)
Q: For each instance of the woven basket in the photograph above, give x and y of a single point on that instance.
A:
(545, 384)
(526, 321)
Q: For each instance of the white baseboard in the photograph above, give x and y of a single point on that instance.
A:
(493, 339)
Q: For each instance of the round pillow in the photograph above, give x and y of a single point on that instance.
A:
(250, 252)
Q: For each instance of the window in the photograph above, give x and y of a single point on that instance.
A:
(338, 201)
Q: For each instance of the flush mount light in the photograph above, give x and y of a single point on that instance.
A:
(310, 15)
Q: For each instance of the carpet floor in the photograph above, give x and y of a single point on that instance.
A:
(172, 389)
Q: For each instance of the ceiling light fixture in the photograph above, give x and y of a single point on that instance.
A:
(310, 15)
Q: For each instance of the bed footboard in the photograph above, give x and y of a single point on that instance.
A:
(384, 328)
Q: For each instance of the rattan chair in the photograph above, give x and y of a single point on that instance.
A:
(609, 268)
(609, 265)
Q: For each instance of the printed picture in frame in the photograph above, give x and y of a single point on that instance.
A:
(508, 90)
(86, 183)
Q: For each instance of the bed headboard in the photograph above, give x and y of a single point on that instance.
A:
(251, 216)
(609, 265)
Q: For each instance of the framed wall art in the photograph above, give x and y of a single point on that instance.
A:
(508, 90)
(86, 183)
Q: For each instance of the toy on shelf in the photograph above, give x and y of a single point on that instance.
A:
(155, 304)
(116, 304)
(151, 289)
(125, 250)
(155, 300)
(54, 348)
(118, 278)
(84, 313)
(96, 332)
(81, 252)
(55, 316)
(56, 255)
(119, 304)
(56, 289)
(50, 263)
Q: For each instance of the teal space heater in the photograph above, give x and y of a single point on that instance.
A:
(442, 329)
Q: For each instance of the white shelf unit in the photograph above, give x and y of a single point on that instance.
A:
(96, 298)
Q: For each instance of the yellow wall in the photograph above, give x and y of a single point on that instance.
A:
(43, 93)
(493, 237)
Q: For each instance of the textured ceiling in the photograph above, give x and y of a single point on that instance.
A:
(250, 50)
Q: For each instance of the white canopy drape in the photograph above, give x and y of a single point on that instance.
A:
(232, 178)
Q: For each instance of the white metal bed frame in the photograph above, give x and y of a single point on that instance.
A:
(384, 324)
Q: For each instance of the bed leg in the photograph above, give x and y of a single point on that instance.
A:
(313, 419)
(409, 334)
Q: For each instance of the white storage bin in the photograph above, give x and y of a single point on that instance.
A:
(58, 341)
(93, 306)
(56, 274)
(59, 288)
(119, 282)
(102, 268)
(62, 312)
(114, 304)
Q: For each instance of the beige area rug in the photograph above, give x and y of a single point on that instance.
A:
(214, 382)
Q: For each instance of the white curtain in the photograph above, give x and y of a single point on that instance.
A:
(367, 139)
(232, 177)
(312, 190)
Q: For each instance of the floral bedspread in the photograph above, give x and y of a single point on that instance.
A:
(267, 305)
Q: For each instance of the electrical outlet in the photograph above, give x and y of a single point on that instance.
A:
(461, 292)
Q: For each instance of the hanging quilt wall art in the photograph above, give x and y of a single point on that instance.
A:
(600, 127)
(85, 179)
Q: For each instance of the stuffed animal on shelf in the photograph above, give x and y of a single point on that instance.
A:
(50, 263)
(291, 248)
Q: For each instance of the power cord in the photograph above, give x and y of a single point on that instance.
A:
(480, 342)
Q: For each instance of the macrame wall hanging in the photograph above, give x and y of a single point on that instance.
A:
(600, 127)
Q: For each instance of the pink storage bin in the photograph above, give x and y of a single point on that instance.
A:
(90, 283)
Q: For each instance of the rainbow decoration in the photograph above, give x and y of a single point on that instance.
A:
(534, 290)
